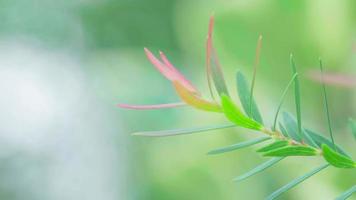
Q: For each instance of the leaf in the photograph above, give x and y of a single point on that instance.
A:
(238, 145)
(297, 97)
(168, 70)
(320, 139)
(345, 195)
(292, 151)
(295, 182)
(336, 159)
(274, 145)
(194, 100)
(284, 131)
(244, 95)
(353, 127)
(180, 77)
(291, 126)
(234, 114)
(326, 105)
(257, 61)
(213, 65)
(258, 169)
(150, 107)
(282, 100)
(182, 131)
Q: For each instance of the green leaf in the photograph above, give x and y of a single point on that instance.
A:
(353, 127)
(282, 100)
(297, 97)
(258, 169)
(284, 131)
(326, 104)
(238, 145)
(244, 95)
(292, 151)
(184, 131)
(295, 182)
(345, 195)
(320, 139)
(291, 126)
(336, 159)
(218, 76)
(274, 145)
(234, 114)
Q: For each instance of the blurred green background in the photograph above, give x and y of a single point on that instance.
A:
(64, 65)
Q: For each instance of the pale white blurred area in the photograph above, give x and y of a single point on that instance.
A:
(57, 139)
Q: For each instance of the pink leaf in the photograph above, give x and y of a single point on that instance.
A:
(163, 69)
(185, 82)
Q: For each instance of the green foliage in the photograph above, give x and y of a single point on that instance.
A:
(183, 131)
(347, 193)
(238, 145)
(234, 114)
(336, 159)
(258, 169)
(291, 126)
(275, 145)
(292, 139)
(284, 131)
(282, 100)
(295, 182)
(244, 95)
(218, 77)
(297, 97)
(292, 151)
(320, 139)
(326, 104)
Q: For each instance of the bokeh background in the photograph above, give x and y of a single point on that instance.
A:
(64, 65)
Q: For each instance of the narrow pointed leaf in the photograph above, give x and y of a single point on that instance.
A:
(184, 131)
(348, 193)
(336, 159)
(326, 105)
(320, 139)
(284, 131)
(292, 151)
(185, 82)
(194, 100)
(150, 107)
(273, 146)
(218, 76)
(295, 182)
(257, 62)
(291, 126)
(214, 70)
(238, 145)
(244, 95)
(162, 68)
(353, 127)
(297, 98)
(258, 169)
(281, 101)
(234, 114)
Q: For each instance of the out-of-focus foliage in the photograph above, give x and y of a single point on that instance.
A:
(65, 64)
